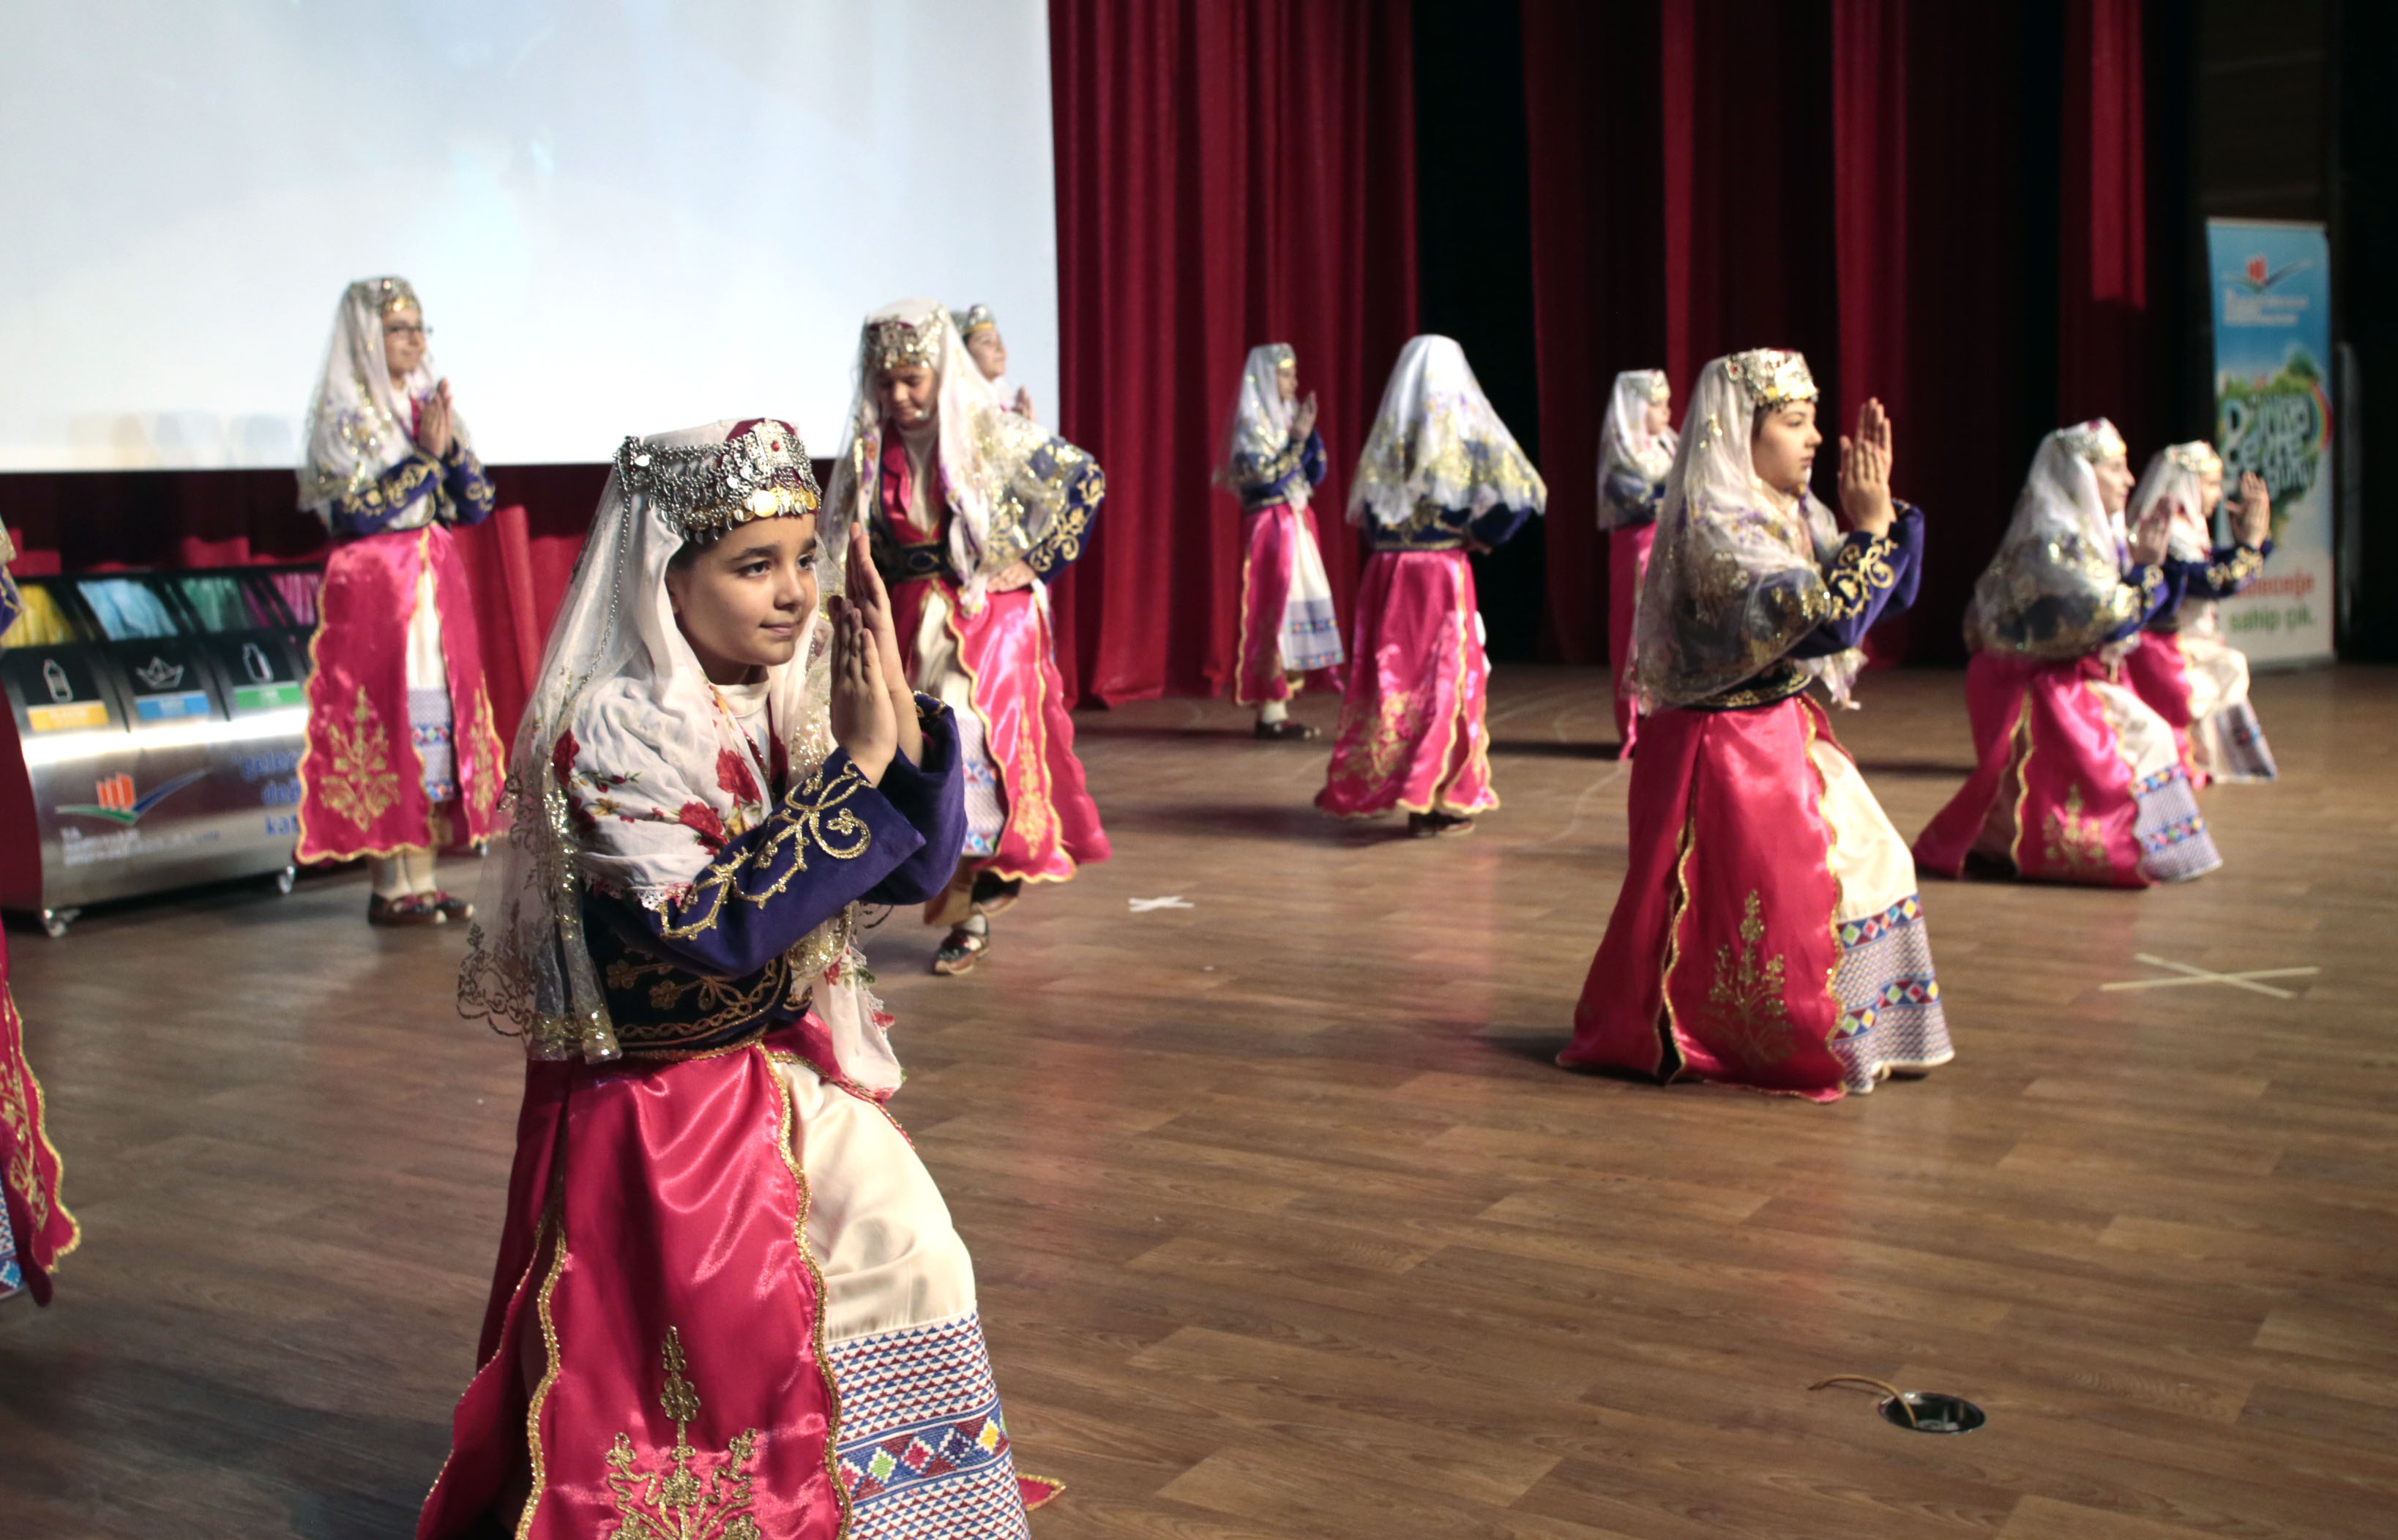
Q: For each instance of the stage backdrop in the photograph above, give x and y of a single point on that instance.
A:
(2271, 283)
(622, 218)
(1229, 173)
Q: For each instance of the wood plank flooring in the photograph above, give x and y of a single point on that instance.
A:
(1287, 1229)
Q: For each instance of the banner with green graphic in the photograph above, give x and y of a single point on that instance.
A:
(2271, 284)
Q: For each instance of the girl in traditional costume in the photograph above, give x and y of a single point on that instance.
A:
(2183, 667)
(1768, 932)
(35, 1229)
(1440, 476)
(1273, 459)
(978, 329)
(1634, 457)
(973, 509)
(2076, 780)
(401, 755)
(729, 1298)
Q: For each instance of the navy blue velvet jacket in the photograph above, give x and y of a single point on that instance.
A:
(1434, 528)
(714, 966)
(418, 491)
(1265, 480)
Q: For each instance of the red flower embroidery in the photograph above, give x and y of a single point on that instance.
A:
(732, 775)
(701, 820)
(561, 756)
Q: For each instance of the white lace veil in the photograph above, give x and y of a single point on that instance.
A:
(1259, 424)
(622, 695)
(2056, 587)
(1625, 440)
(1736, 575)
(2176, 477)
(358, 426)
(1437, 438)
(972, 427)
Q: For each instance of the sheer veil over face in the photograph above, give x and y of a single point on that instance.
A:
(2178, 477)
(1437, 438)
(1625, 440)
(1259, 424)
(1003, 506)
(1735, 577)
(358, 426)
(2056, 588)
(626, 747)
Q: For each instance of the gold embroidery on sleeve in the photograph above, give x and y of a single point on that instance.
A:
(815, 815)
(2234, 572)
(1858, 572)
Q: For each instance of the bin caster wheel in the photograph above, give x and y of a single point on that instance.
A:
(284, 879)
(56, 920)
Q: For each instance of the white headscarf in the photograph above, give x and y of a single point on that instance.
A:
(1736, 575)
(358, 426)
(1625, 440)
(624, 727)
(1002, 510)
(1260, 425)
(2176, 476)
(2056, 587)
(1436, 438)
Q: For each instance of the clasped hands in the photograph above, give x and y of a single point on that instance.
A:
(1865, 472)
(873, 710)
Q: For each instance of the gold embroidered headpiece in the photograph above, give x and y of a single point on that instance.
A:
(2095, 440)
(896, 342)
(390, 294)
(1662, 388)
(2198, 457)
(974, 318)
(702, 490)
(1772, 376)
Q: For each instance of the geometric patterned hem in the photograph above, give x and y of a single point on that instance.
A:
(2175, 846)
(1890, 1015)
(429, 733)
(12, 1277)
(2231, 744)
(924, 1446)
(1310, 639)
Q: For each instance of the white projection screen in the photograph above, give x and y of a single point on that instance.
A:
(622, 217)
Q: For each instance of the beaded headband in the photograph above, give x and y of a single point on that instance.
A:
(976, 318)
(895, 342)
(2198, 457)
(390, 294)
(1662, 388)
(2095, 440)
(1772, 376)
(703, 490)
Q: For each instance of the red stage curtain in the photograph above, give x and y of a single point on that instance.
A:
(2105, 350)
(1229, 173)
(1854, 178)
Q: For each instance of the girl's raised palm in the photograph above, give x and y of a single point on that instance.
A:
(863, 721)
(873, 600)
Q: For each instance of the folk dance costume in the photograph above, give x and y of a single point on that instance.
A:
(1632, 465)
(1287, 628)
(953, 503)
(35, 1229)
(401, 755)
(729, 1299)
(1768, 932)
(2183, 667)
(1440, 473)
(978, 329)
(2076, 780)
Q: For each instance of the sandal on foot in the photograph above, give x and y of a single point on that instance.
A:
(409, 909)
(452, 906)
(1288, 730)
(1425, 826)
(960, 953)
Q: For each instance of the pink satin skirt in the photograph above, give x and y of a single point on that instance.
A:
(2075, 780)
(1768, 933)
(1411, 732)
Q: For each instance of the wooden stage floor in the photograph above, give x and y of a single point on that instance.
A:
(1286, 1225)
